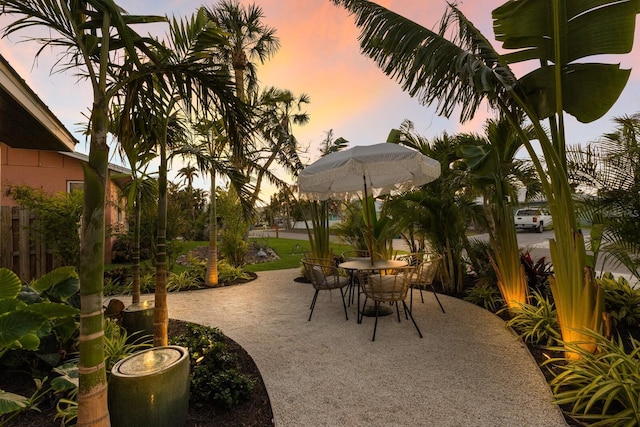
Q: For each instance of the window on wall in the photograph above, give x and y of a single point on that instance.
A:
(74, 185)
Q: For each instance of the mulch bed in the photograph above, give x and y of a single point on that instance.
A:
(255, 412)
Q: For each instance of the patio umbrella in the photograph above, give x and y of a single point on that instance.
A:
(379, 168)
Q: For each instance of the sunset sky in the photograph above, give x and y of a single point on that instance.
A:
(319, 56)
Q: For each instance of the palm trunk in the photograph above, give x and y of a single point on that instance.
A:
(161, 319)
(212, 262)
(92, 391)
(135, 253)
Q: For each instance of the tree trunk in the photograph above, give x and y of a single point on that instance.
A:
(135, 253)
(161, 319)
(212, 262)
(92, 390)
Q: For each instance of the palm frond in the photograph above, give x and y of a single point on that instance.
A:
(456, 73)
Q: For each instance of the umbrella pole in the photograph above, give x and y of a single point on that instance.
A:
(366, 209)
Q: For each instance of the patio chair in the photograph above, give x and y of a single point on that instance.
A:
(325, 276)
(356, 254)
(387, 287)
(425, 275)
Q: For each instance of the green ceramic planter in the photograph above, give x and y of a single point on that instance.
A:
(138, 319)
(150, 388)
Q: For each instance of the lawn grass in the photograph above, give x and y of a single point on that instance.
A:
(290, 252)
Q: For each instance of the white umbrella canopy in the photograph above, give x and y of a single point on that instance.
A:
(380, 167)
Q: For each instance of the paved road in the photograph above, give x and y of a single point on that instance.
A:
(536, 243)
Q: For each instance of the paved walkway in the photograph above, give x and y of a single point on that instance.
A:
(468, 370)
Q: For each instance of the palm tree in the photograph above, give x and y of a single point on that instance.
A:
(331, 144)
(277, 112)
(249, 40)
(464, 71)
(72, 25)
(189, 173)
(139, 189)
(611, 168)
(438, 212)
(495, 171)
(213, 155)
(186, 80)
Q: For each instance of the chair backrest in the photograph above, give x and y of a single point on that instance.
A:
(412, 259)
(323, 273)
(426, 272)
(389, 285)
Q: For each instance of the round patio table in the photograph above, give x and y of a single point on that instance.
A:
(355, 265)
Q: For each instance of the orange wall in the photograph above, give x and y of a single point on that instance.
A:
(50, 171)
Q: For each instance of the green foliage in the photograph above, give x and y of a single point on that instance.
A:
(352, 228)
(603, 388)
(621, 300)
(12, 404)
(487, 296)
(479, 253)
(147, 283)
(439, 212)
(215, 373)
(228, 273)
(31, 318)
(182, 281)
(232, 247)
(118, 344)
(537, 322)
(57, 220)
(318, 234)
(66, 385)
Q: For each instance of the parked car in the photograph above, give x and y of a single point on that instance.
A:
(532, 219)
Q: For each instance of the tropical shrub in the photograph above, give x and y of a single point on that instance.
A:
(57, 220)
(38, 318)
(537, 272)
(486, 295)
(603, 388)
(228, 273)
(182, 281)
(536, 323)
(479, 254)
(12, 404)
(622, 301)
(36, 324)
(215, 373)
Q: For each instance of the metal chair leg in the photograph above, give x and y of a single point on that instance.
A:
(435, 294)
(313, 303)
(344, 304)
(361, 312)
(412, 319)
(375, 325)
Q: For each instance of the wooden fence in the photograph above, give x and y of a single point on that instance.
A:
(22, 250)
